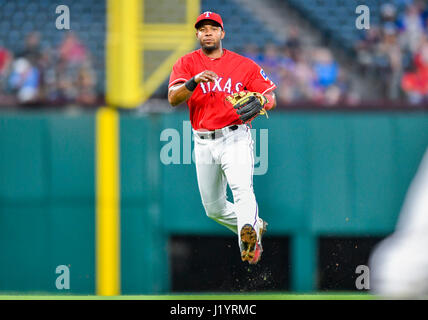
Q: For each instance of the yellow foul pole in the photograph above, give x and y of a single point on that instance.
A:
(123, 54)
(107, 203)
(123, 90)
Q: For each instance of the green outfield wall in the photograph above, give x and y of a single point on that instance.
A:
(327, 173)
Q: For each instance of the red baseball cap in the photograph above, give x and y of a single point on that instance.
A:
(208, 15)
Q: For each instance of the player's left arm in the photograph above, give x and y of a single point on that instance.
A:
(259, 82)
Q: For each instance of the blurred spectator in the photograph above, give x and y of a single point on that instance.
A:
(365, 47)
(293, 44)
(49, 76)
(332, 95)
(24, 80)
(71, 50)
(5, 61)
(86, 82)
(326, 73)
(325, 68)
(389, 60)
(415, 84)
(411, 26)
(305, 79)
(297, 79)
(270, 62)
(388, 12)
(252, 51)
(32, 50)
(6, 58)
(73, 74)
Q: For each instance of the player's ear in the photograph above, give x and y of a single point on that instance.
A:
(223, 33)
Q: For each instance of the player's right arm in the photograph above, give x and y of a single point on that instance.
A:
(179, 93)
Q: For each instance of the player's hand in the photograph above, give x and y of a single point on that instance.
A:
(205, 76)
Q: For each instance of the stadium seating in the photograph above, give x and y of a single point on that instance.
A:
(18, 18)
(88, 21)
(239, 23)
(336, 18)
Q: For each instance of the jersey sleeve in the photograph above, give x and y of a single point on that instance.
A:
(258, 81)
(180, 73)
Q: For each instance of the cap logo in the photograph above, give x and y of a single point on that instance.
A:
(207, 14)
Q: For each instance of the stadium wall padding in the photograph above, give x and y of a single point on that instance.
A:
(329, 173)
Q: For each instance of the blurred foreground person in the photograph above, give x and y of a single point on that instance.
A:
(399, 264)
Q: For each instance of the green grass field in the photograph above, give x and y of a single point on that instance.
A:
(266, 296)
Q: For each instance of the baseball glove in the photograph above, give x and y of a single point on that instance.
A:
(248, 105)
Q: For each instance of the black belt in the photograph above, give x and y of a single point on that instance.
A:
(216, 133)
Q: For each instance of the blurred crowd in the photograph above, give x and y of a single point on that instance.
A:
(302, 73)
(396, 51)
(393, 52)
(35, 75)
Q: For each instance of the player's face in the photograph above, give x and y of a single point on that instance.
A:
(210, 36)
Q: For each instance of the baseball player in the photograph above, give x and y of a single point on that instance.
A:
(399, 264)
(224, 92)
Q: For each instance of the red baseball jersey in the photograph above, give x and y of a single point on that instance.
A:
(208, 106)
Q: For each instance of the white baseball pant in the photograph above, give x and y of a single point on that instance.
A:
(228, 159)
